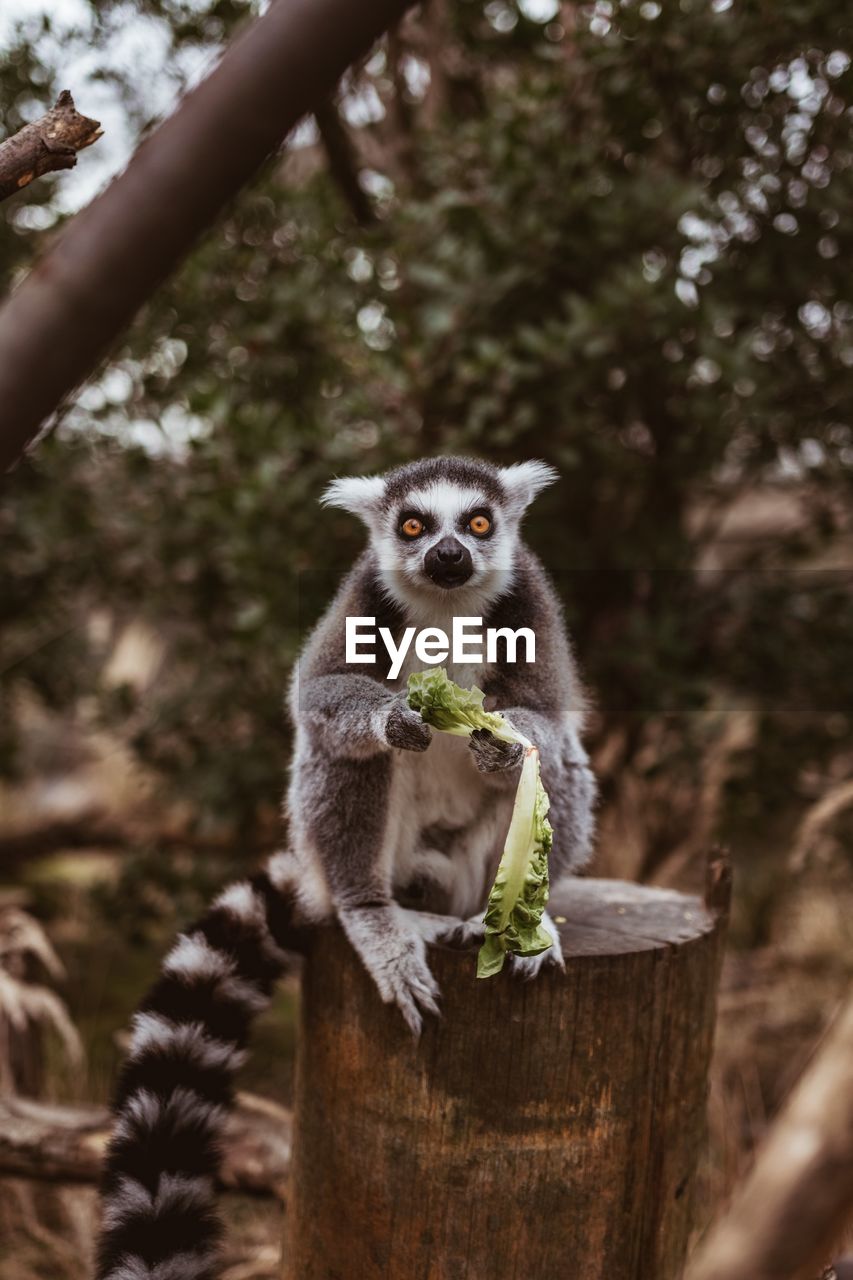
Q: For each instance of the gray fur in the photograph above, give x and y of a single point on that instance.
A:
(383, 810)
(405, 728)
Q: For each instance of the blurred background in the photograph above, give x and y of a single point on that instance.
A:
(615, 236)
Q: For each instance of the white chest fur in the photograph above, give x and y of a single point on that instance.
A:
(443, 784)
(442, 787)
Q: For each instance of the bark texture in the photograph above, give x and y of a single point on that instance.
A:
(545, 1129)
(46, 145)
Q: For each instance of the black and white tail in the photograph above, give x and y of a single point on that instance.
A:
(189, 1037)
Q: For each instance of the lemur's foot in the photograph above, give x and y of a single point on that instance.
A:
(528, 967)
(393, 951)
(450, 930)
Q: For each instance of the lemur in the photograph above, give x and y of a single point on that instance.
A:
(395, 831)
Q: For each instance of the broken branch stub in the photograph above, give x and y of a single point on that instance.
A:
(45, 146)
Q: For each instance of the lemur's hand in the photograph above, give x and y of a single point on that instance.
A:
(492, 754)
(406, 728)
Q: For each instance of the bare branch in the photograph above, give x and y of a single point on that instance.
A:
(812, 829)
(46, 145)
(796, 1201)
(92, 829)
(435, 22)
(399, 111)
(343, 161)
(111, 257)
(51, 1143)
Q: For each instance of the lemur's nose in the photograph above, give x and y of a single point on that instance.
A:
(449, 551)
(448, 563)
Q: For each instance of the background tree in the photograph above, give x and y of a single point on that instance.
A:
(613, 236)
(614, 246)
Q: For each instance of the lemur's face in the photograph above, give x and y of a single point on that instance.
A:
(443, 535)
(444, 529)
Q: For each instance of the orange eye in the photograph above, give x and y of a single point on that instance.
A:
(479, 525)
(413, 527)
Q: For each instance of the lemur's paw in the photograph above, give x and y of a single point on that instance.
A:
(528, 967)
(492, 754)
(406, 728)
(450, 929)
(393, 951)
(409, 984)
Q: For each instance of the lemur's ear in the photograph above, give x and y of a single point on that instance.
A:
(524, 480)
(358, 494)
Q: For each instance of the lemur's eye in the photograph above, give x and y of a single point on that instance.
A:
(412, 527)
(480, 525)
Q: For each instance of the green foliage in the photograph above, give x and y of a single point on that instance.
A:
(617, 249)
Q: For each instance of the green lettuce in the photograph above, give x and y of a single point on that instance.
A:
(518, 896)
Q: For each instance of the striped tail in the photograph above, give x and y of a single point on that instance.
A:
(189, 1038)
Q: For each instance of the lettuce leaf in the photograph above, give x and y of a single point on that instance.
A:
(520, 891)
(446, 706)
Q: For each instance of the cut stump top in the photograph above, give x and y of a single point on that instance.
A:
(615, 917)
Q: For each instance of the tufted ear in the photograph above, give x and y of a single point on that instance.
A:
(360, 495)
(523, 481)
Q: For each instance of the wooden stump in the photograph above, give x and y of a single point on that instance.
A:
(548, 1129)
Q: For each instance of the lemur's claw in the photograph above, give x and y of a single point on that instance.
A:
(493, 754)
(415, 992)
(450, 930)
(406, 728)
(471, 932)
(393, 950)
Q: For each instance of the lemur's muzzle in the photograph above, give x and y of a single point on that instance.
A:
(448, 563)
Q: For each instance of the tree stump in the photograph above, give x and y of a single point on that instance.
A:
(546, 1129)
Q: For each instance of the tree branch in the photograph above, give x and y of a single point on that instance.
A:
(91, 829)
(111, 257)
(343, 161)
(48, 144)
(50, 1143)
(794, 1204)
(435, 24)
(399, 111)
